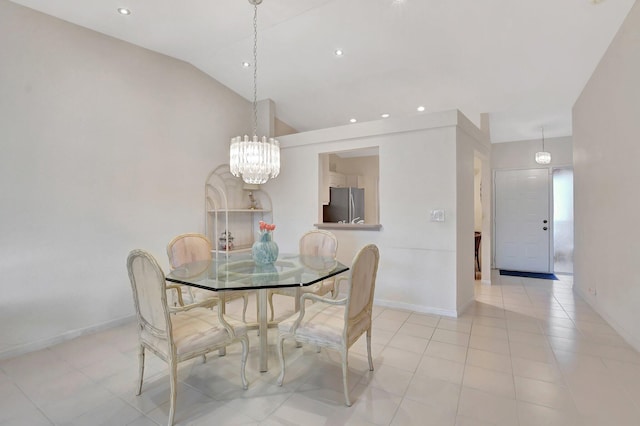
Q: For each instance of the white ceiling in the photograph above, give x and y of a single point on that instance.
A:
(523, 62)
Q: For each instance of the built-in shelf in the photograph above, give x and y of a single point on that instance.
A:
(229, 221)
(242, 249)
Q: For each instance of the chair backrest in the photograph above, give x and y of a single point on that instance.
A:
(363, 283)
(319, 243)
(149, 293)
(187, 248)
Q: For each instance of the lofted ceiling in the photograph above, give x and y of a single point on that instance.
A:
(524, 63)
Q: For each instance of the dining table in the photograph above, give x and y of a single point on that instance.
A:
(228, 272)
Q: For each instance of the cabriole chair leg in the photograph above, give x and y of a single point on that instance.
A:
(281, 356)
(243, 362)
(140, 368)
(369, 349)
(173, 380)
(345, 373)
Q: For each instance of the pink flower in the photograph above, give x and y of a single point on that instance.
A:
(266, 226)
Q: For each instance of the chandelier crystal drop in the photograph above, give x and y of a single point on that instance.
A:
(255, 160)
(543, 157)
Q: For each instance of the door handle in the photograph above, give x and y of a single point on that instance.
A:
(544, 228)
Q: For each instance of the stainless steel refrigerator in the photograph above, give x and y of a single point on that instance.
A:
(346, 205)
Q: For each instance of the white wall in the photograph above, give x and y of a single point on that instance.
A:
(472, 146)
(606, 130)
(521, 154)
(105, 148)
(477, 198)
(418, 173)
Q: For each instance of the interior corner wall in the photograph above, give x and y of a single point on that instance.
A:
(487, 217)
(105, 148)
(606, 130)
(282, 128)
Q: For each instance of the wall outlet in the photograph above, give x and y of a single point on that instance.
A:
(437, 215)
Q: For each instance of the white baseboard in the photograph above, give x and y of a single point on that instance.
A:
(69, 335)
(466, 306)
(416, 308)
(634, 342)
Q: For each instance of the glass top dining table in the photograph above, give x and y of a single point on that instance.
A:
(237, 271)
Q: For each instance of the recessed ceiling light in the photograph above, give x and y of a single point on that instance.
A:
(420, 108)
(353, 120)
(338, 52)
(385, 115)
(246, 64)
(124, 11)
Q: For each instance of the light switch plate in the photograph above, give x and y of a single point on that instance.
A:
(437, 215)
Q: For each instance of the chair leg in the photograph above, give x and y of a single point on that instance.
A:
(173, 379)
(245, 297)
(222, 306)
(140, 367)
(281, 356)
(193, 299)
(345, 373)
(369, 349)
(271, 305)
(257, 313)
(243, 363)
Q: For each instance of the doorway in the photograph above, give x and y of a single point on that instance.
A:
(477, 216)
(523, 220)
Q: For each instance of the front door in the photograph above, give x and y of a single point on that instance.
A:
(522, 220)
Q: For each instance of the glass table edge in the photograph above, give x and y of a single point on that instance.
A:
(339, 270)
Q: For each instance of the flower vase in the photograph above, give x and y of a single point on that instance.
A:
(264, 274)
(265, 250)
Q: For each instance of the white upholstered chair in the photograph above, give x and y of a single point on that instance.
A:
(312, 243)
(177, 334)
(336, 324)
(192, 247)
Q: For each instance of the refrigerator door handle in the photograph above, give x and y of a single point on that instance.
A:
(352, 206)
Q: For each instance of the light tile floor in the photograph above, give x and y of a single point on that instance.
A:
(528, 352)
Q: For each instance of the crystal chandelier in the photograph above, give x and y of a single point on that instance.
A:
(543, 157)
(258, 159)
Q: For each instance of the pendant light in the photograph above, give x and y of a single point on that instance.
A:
(543, 157)
(255, 160)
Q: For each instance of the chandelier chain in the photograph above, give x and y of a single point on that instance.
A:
(255, 69)
(255, 160)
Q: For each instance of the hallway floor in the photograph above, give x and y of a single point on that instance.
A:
(528, 352)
